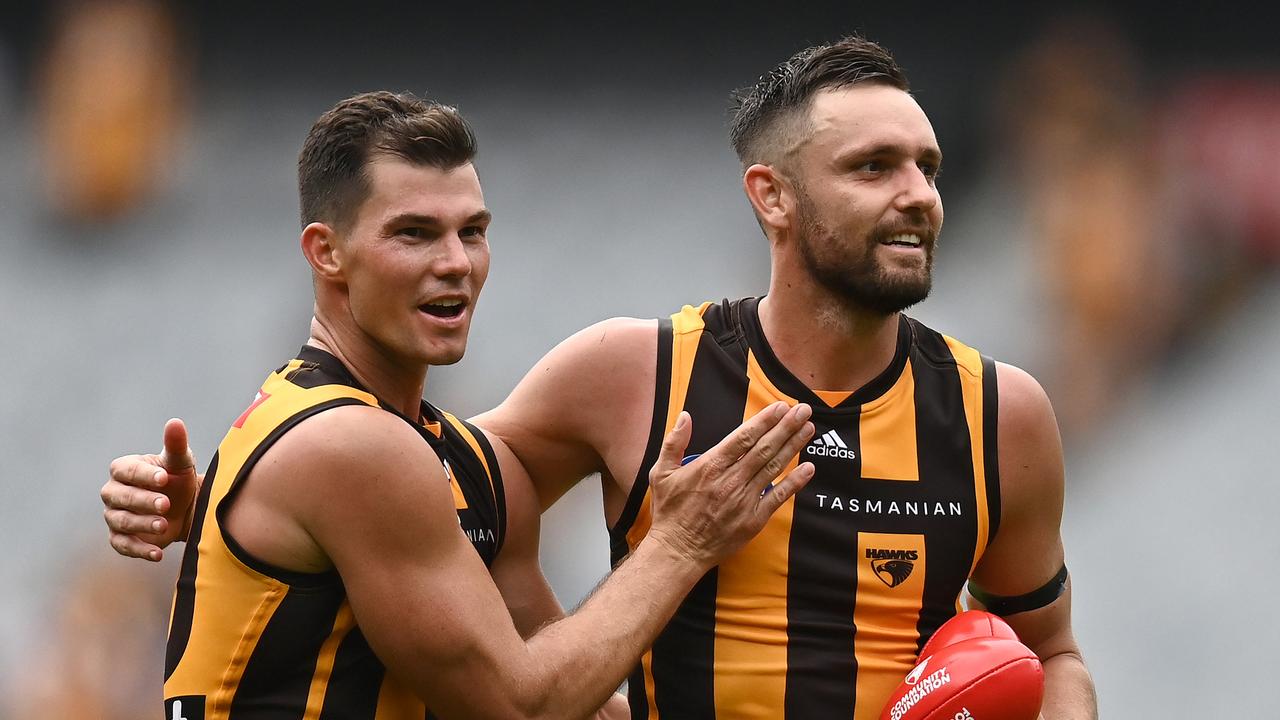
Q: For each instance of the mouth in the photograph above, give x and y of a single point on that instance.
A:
(906, 240)
(444, 307)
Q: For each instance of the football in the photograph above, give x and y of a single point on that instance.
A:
(967, 626)
(973, 668)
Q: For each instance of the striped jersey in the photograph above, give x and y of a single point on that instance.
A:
(824, 612)
(249, 640)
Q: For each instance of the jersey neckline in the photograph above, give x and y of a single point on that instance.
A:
(748, 319)
(330, 364)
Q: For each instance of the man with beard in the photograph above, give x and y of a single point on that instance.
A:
(935, 466)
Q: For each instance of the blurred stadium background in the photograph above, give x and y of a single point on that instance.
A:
(1113, 196)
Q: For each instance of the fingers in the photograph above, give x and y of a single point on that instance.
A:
(774, 451)
(757, 451)
(130, 546)
(176, 457)
(139, 501)
(128, 523)
(673, 447)
(142, 471)
(739, 442)
(784, 488)
(763, 446)
(136, 497)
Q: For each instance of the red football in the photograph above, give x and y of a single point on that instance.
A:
(966, 626)
(977, 670)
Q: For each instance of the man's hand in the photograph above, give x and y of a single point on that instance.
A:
(707, 509)
(149, 498)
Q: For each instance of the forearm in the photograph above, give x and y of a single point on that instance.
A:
(1068, 689)
(580, 660)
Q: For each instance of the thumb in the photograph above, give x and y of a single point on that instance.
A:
(674, 445)
(176, 457)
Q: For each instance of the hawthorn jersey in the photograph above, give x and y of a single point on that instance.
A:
(823, 613)
(248, 640)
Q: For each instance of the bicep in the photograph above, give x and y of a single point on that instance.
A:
(566, 413)
(1027, 551)
(420, 593)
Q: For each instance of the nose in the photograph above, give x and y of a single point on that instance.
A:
(452, 258)
(917, 193)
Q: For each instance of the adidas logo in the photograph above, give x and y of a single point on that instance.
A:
(830, 445)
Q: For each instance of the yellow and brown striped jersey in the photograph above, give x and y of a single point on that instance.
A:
(823, 613)
(248, 640)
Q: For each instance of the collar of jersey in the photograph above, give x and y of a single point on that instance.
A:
(748, 319)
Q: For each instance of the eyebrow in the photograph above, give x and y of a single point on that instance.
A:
(927, 153)
(433, 221)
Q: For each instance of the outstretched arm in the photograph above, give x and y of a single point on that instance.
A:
(426, 603)
(1027, 552)
(585, 407)
(148, 498)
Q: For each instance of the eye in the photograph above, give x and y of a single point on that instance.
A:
(931, 171)
(473, 231)
(872, 166)
(413, 232)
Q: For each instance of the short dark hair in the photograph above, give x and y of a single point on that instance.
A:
(765, 111)
(332, 180)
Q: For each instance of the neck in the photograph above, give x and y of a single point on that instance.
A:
(393, 382)
(823, 340)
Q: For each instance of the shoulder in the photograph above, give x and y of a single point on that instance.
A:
(332, 477)
(1024, 408)
(349, 429)
(1029, 450)
(619, 339)
(599, 364)
(331, 448)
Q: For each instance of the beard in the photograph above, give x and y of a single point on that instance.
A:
(855, 276)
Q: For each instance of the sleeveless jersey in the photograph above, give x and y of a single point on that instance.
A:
(824, 612)
(248, 640)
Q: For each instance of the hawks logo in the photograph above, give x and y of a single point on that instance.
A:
(893, 567)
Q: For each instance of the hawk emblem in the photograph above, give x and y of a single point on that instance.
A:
(893, 572)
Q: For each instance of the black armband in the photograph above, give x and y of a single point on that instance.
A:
(1004, 605)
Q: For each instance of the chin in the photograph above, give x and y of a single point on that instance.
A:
(422, 354)
(444, 356)
(884, 297)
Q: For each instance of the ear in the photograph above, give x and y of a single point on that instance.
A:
(320, 247)
(770, 196)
